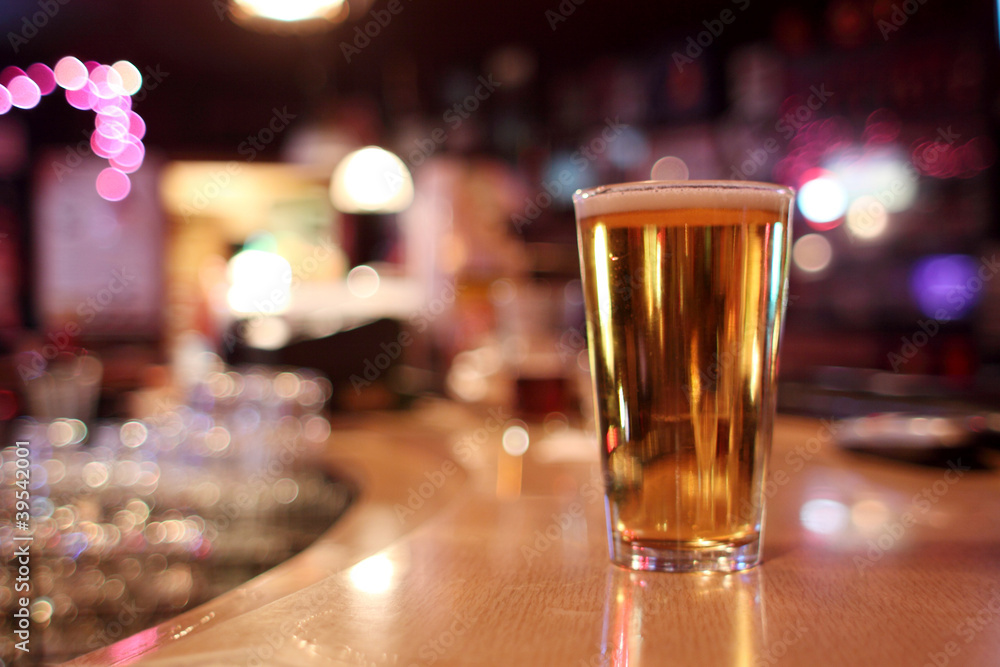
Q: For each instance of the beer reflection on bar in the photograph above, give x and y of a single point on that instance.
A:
(644, 616)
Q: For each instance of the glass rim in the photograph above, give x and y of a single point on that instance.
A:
(632, 186)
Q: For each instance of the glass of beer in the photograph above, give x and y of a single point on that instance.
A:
(685, 285)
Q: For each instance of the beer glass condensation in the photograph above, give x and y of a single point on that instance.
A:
(685, 286)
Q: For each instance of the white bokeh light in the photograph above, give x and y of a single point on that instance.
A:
(363, 281)
(867, 218)
(515, 440)
(812, 253)
(823, 199)
(260, 282)
(371, 180)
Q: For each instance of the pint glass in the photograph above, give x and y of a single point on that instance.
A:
(685, 286)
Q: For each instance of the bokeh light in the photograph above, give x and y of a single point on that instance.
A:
(136, 125)
(363, 281)
(71, 74)
(824, 516)
(131, 156)
(82, 98)
(867, 218)
(812, 253)
(107, 82)
(946, 287)
(515, 440)
(113, 184)
(5, 101)
(260, 282)
(131, 78)
(371, 180)
(822, 200)
(24, 93)
(42, 75)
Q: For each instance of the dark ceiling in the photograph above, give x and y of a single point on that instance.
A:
(221, 81)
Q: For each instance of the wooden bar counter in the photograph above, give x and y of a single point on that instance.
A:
(459, 553)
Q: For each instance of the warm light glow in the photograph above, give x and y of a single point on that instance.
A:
(824, 516)
(515, 440)
(260, 282)
(363, 281)
(268, 333)
(131, 78)
(867, 218)
(812, 253)
(822, 200)
(291, 10)
(372, 575)
(371, 180)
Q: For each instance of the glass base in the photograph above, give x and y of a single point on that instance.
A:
(685, 557)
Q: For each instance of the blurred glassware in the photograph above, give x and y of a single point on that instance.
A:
(135, 521)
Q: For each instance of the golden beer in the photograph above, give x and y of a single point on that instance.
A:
(685, 288)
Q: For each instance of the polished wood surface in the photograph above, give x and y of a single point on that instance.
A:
(458, 553)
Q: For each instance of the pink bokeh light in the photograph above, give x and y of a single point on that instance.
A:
(105, 147)
(131, 157)
(42, 75)
(136, 125)
(24, 93)
(89, 85)
(5, 102)
(71, 74)
(8, 73)
(81, 99)
(113, 184)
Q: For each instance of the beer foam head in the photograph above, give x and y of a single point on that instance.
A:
(672, 195)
